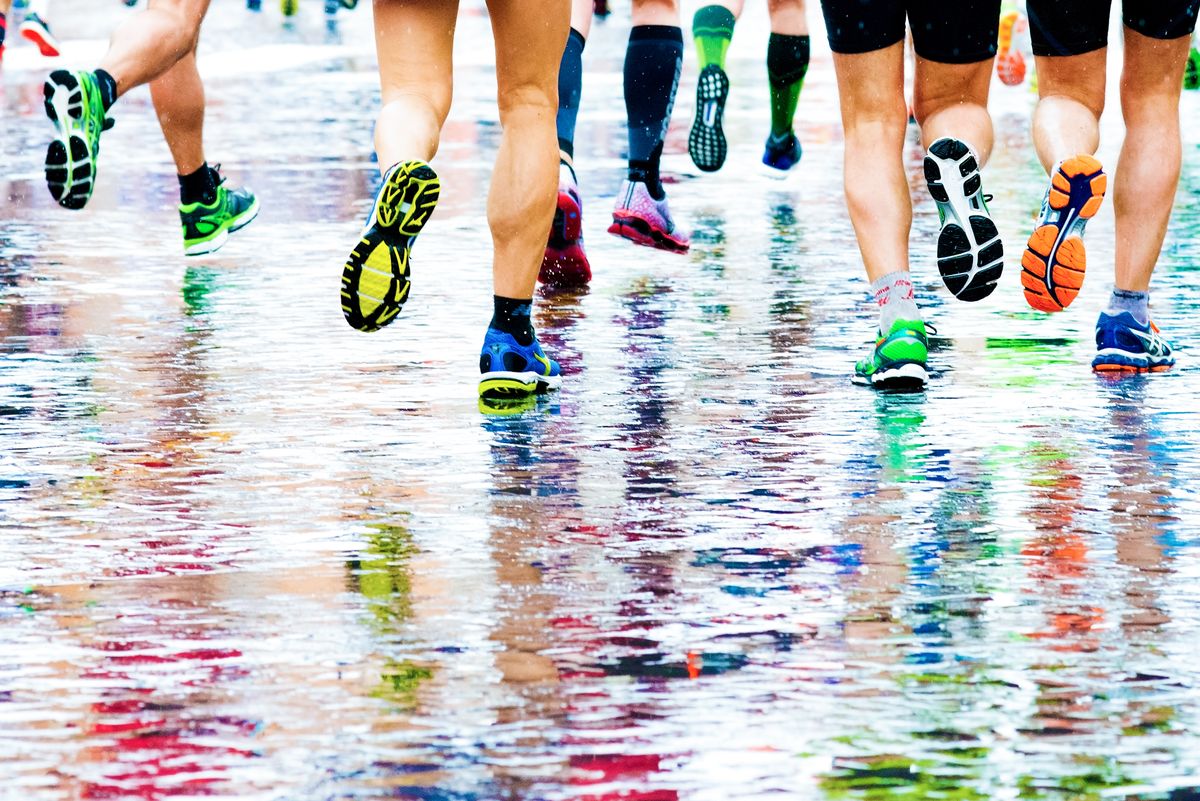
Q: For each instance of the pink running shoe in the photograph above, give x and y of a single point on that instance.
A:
(566, 263)
(645, 221)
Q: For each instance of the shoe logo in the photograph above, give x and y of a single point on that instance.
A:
(1152, 342)
(710, 114)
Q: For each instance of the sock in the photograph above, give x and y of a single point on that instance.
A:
(787, 64)
(712, 28)
(199, 186)
(1127, 300)
(894, 294)
(570, 87)
(653, 60)
(108, 88)
(511, 315)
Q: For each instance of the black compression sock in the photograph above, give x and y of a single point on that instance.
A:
(199, 186)
(108, 88)
(511, 315)
(653, 60)
(570, 87)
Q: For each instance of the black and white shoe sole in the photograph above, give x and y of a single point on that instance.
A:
(910, 377)
(70, 164)
(970, 253)
(706, 142)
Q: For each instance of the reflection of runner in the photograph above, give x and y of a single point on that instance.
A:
(1070, 42)
(155, 46)
(33, 25)
(415, 44)
(954, 45)
(787, 64)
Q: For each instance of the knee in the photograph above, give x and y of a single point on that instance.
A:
(430, 102)
(528, 104)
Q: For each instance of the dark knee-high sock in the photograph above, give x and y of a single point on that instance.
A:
(653, 60)
(787, 64)
(570, 87)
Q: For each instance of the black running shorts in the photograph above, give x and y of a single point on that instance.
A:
(955, 32)
(1074, 27)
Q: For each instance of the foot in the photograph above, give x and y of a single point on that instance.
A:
(641, 219)
(706, 142)
(970, 253)
(510, 370)
(1055, 259)
(1123, 345)
(781, 154)
(73, 104)
(898, 359)
(375, 278)
(565, 262)
(207, 227)
(1010, 62)
(37, 31)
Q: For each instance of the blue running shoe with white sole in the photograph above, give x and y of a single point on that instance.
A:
(1123, 345)
(970, 253)
(509, 369)
(781, 154)
(375, 277)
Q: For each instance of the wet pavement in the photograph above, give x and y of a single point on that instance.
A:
(248, 553)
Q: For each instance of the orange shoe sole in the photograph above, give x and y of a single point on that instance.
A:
(1055, 259)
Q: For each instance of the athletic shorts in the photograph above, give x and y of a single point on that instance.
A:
(1074, 27)
(947, 31)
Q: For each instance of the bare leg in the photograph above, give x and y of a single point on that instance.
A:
(179, 101)
(582, 12)
(656, 12)
(417, 82)
(871, 86)
(151, 42)
(530, 35)
(788, 17)
(951, 100)
(1148, 172)
(1066, 121)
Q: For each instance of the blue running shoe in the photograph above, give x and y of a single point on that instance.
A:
(781, 154)
(1123, 345)
(511, 370)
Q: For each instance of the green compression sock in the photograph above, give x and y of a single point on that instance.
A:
(713, 29)
(787, 64)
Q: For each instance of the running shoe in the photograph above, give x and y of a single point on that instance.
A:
(898, 360)
(73, 104)
(970, 253)
(1123, 345)
(1010, 62)
(781, 154)
(207, 227)
(37, 31)
(1191, 71)
(640, 218)
(254, 5)
(565, 263)
(509, 369)
(706, 142)
(349, 5)
(375, 278)
(1055, 259)
(289, 7)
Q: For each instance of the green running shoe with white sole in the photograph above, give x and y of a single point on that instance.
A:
(207, 227)
(375, 277)
(898, 360)
(74, 105)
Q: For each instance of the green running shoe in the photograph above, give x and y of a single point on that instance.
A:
(289, 7)
(206, 228)
(898, 360)
(73, 104)
(1191, 72)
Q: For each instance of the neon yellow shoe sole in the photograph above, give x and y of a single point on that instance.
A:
(375, 281)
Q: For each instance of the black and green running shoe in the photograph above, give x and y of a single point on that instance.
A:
(898, 359)
(706, 142)
(74, 105)
(349, 5)
(207, 227)
(375, 278)
(289, 7)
